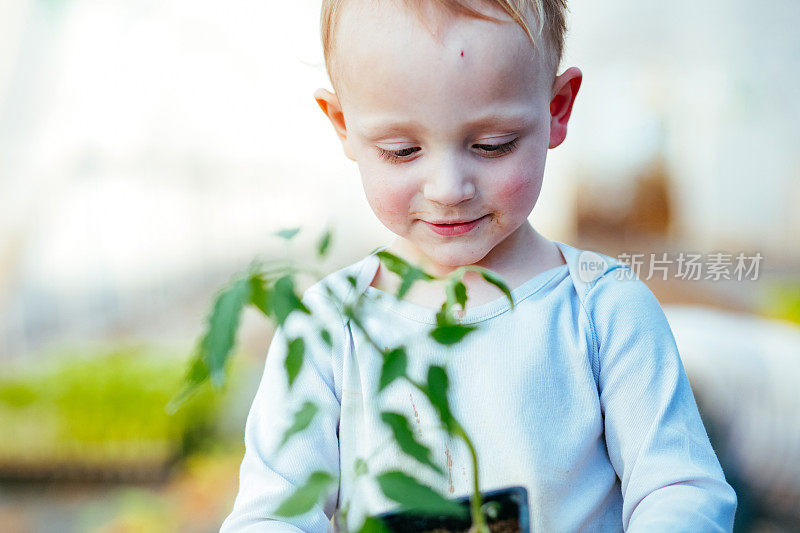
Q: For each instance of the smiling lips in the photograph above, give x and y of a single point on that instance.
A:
(450, 230)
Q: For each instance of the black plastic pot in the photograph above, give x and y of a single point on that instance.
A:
(512, 515)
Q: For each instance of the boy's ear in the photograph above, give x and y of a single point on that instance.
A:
(330, 105)
(565, 89)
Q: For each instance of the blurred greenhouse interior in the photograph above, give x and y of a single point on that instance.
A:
(149, 149)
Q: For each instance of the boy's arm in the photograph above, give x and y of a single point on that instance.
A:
(268, 476)
(670, 476)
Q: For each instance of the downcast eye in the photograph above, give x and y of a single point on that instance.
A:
(496, 150)
(397, 156)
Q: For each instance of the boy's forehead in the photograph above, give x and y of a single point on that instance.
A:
(382, 41)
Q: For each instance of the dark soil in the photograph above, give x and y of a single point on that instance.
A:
(508, 525)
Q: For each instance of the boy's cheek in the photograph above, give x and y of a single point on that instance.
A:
(389, 203)
(518, 188)
(512, 187)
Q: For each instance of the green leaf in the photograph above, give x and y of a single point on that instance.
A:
(450, 334)
(259, 295)
(394, 366)
(372, 525)
(223, 322)
(443, 316)
(404, 436)
(360, 467)
(326, 337)
(394, 263)
(195, 377)
(284, 299)
(498, 282)
(188, 390)
(436, 391)
(287, 233)
(324, 243)
(306, 496)
(294, 359)
(302, 419)
(461, 294)
(415, 497)
(198, 371)
(409, 273)
(456, 293)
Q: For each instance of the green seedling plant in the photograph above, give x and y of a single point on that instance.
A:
(270, 287)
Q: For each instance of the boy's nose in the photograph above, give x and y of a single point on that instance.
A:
(449, 182)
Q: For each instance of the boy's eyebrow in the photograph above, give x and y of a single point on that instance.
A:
(516, 119)
(384, 128)
(380, 129)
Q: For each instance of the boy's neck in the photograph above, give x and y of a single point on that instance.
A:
(523, 255)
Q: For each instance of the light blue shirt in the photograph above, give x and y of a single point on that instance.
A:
(578, 394)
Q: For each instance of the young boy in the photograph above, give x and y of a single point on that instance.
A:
(577, 394)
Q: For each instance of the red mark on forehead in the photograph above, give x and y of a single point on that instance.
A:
(462, 53)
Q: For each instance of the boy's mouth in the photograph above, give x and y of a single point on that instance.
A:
(450, 229)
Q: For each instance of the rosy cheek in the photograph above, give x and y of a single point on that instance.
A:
(389, 202)
(513, 187)
(515, 195)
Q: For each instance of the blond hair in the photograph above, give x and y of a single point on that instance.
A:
(549, 15)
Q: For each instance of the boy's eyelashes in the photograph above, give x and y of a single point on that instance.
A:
(497, 150)
(482, 149)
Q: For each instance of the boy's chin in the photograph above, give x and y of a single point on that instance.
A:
(450, 255)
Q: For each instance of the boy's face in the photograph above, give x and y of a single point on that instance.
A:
(449, 129)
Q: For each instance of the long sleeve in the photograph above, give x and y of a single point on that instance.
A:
(671, 479)
(268, 476)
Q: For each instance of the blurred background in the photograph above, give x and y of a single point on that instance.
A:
(149, 149)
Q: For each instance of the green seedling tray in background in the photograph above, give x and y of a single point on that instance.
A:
(100, 412)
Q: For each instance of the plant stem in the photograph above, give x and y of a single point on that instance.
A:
(343, 518)
(478, 522)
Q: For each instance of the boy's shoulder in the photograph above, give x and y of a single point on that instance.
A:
(603, 282)
(621, 310)
(588, 268)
